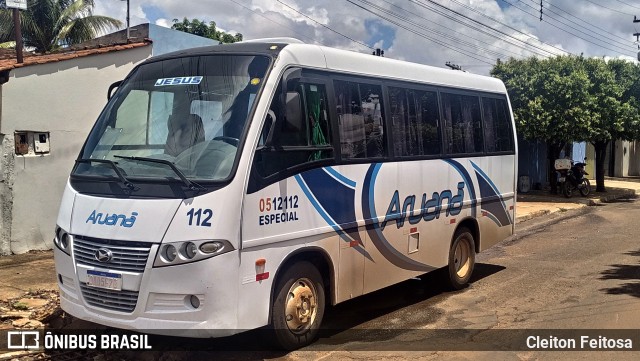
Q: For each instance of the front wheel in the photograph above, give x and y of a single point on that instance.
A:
(462, 259)
(585, 187)
(298, 306)
(566, 189)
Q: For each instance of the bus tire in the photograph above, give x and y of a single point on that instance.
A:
(462, 259)
(298, 306)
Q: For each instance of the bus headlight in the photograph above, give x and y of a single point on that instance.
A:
(62, 240)
(169, 252)
(189, 250)
(175, 253)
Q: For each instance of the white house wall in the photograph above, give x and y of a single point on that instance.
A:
(63, 98)
(634, 158)
(622, 158)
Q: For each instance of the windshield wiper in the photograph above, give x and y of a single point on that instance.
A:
(113, 165)
(191, 184)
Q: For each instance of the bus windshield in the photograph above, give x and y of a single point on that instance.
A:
(176, 118)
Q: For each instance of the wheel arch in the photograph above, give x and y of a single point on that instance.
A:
(316, 256)
(472, 225)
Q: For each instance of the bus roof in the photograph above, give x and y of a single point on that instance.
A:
(295, 52)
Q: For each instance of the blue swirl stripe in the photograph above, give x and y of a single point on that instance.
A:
(339, 177)
(467, 180)
(489, 190)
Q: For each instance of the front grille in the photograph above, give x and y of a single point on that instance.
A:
(123, 301)
(127, 256)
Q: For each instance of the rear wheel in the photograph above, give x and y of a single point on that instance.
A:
(298, 306)
(585, 188)
(566, 189)
(462, 259)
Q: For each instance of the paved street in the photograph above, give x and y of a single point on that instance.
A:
(573, 269)
(582, 271)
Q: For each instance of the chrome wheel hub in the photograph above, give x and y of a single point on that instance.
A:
(301, 305)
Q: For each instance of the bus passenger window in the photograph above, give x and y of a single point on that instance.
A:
(463, 123)
(360, 118)
(415, 122)
(498, 135)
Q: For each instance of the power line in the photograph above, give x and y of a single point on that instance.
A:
(626, 3)
(454, 30)
(597, 36)
(439, 42)
(325, 26)
(490, 27)
(608, 8)
(433, 31)
(584, 21)
(512, 28)
(559, 28)
(517, 43)
(275, 22)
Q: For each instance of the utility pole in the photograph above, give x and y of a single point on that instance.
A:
(128, 24)
(637, 35)
(18, 32)
(16, 6)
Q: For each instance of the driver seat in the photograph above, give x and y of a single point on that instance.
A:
(184, 133)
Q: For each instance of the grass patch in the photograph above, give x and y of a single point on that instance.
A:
(20, 306)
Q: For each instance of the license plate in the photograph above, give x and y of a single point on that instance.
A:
(110, 281)
(561, 179)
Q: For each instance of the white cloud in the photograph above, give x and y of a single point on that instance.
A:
(163, 22)
(604, 32)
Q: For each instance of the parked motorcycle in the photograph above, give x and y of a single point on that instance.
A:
(571, 177)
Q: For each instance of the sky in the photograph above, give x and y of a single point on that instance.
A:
(469, 33)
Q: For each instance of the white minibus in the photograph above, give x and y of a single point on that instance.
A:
(231, 187)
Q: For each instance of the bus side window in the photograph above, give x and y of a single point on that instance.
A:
(414, 114)
(301, 132)
(463, 123)
(498, 135)
(360, 118)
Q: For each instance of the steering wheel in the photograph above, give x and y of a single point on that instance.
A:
(228, 140)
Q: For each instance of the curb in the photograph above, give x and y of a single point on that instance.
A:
(613, 197)
(610, 198)
(533, 215)
(590, 202)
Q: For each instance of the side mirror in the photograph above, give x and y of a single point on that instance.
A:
(112, 87)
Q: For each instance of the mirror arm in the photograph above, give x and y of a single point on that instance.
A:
(269, 141)
(111, 87)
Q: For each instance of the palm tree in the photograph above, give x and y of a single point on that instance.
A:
(50, 24)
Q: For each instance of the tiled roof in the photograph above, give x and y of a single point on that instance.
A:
(8, 59)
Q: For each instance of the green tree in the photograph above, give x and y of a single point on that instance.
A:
(200, 28)
(550, 101)
(50, 24)
(564, 99)
(614, 109)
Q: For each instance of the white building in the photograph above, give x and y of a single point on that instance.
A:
(48, 105)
